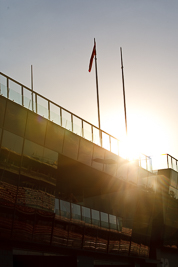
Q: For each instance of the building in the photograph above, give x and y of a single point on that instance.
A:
(67, 196)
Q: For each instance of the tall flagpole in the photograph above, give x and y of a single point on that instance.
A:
(32, 85)
(97, 91)
(123, 91)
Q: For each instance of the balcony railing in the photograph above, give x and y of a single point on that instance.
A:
(164, 161)
(39, 104)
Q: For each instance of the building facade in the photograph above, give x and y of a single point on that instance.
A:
(66, 194)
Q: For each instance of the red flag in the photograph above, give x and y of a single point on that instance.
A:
(92, 56)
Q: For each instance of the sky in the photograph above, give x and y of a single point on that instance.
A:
(56, 37)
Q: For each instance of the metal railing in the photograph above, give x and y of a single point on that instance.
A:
(164, 161)
(39, 104)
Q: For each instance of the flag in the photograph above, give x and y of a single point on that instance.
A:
(92, 56)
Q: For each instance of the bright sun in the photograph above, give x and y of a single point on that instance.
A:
(129, 149)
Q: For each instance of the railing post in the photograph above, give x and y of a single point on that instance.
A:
(167, 162)
(36, 103)
(92, 133)
(72, 123)
(61, 116)
(49, 115)
(22, 95)
(100, 136)
(32, 103)
(110, 143)
(8, 88)
(82, 129)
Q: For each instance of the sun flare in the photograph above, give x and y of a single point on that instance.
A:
(129, 149)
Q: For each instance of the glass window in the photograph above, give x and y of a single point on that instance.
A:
(50, 157)
(27, 99)
(42, 107)
(71, 145)
(76, 211)
(36, 128)
(98, 154)
(66, 120)
(65, 209)
(55, 114)
(54, 137)
(12, 142)
(104, 220)
(2, 109)
(87, 131)
(105, 141)
(15, 92)
(33, 150)
(86, 215)
(112, 222)
(3, 86)
(96, 136)
(77, 126)
(15, 118)
(85, 152)
(95, 217)
(111, 163)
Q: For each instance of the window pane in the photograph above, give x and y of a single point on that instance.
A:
(96, 136)
(66, 120)
(3, 86)
(76, 211)
(42, 107)
(87, 131)
(86, 215)
(27, 98)
(77, 126)
(12, 142)
(55, 114)
(54, 137)
(112, 222)
(105, 141)
(15, 118)
(36, 128)
(104, 220)
(65, 209)
(95, 217)
(15, 92)
(50, 157)
(33, 150)
(71, 145)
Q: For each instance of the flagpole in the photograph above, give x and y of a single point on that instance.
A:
(32, 84)
(97, 91)
(123, 91)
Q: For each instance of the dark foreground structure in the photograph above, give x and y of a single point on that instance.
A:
(68, 198)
